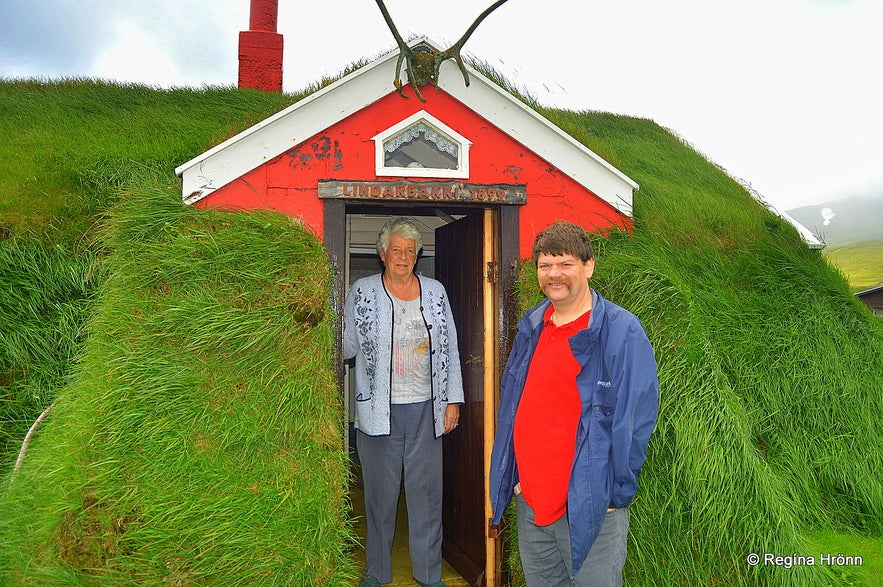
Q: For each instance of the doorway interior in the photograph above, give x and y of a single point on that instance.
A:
(461, 248)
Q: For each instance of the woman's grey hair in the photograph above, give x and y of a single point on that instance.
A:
(404, 227)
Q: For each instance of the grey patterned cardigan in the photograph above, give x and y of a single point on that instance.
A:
(367, 336)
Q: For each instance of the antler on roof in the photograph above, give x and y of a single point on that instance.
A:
(421, 67)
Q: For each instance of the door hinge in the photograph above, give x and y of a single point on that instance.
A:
(492, 272)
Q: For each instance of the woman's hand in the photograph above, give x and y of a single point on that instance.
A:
(452, 417)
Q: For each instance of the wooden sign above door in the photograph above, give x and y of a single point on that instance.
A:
(425, 191)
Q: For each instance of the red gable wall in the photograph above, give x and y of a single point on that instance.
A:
(345, 151)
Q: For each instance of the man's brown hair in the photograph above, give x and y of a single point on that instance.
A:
(561, 238)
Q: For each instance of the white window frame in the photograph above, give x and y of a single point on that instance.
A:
(462, 170)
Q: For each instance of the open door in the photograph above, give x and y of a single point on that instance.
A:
(475, 260)
(465, 259)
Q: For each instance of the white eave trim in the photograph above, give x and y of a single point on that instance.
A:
(282, 131)
(811, 240)
(808, 236)
(293, 125)
(538, 134)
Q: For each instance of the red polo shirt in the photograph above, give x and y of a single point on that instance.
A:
(547, 420)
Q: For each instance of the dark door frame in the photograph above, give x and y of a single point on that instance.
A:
(505, 272)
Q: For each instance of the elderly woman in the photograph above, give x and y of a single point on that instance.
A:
(400, 329)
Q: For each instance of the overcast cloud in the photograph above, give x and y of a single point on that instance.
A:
(784, 94)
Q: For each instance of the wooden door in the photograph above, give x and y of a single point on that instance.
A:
(465, 250)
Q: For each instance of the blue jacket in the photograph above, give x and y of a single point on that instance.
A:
(367, 336)
(620, 401)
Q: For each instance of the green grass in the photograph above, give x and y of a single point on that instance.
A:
(200, 442)
(69, 145)
(861, 263)
(46, 293)
(195, 438)
(868, 572)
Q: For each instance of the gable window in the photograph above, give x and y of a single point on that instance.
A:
(421, 146)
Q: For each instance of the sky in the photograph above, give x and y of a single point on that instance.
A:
(785, 95)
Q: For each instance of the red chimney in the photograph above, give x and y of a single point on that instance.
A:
(260, 49)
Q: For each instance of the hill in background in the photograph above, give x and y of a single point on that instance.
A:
(844, 221)
(852, 229)
(861, 263)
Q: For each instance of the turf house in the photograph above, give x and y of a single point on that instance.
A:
(177, 330)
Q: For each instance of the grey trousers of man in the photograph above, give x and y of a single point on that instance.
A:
(411, 447)
(545, 551)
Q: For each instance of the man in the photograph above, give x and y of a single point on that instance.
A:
(579, 400)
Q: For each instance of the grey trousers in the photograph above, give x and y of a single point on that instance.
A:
(545, 551)
(411, 447)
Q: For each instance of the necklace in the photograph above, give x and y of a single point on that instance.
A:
(399, 317)
(405, 291)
